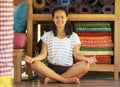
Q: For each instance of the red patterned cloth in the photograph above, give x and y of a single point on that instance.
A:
(94, 33)
(101, 59)
(6, 37)
(96, 42)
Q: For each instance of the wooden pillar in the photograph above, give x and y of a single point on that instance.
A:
(29, 36)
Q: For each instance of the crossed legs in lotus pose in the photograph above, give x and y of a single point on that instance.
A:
(72, 75)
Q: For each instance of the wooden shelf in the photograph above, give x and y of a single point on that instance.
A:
(77, 17)
(102, 67)
(81, 17)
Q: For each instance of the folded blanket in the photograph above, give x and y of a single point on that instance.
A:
(101, 59)
(83, 33)
(95, 49)
(92, 24)
(97, 52)
(99, 29)
(95, 38)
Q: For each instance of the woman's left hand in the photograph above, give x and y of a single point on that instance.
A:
(92, 60)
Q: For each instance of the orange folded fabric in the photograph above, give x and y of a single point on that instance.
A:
(95, 38)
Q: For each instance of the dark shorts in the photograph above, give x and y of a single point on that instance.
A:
(58, 69)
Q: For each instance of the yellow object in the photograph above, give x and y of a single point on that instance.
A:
(6, 81)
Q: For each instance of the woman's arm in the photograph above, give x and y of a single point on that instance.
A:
(39, 57)
(79, 56)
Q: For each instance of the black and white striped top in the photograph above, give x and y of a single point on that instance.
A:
(60, 51)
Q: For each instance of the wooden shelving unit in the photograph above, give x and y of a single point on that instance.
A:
(81, 17)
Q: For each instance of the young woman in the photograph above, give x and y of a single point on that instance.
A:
(59, 46)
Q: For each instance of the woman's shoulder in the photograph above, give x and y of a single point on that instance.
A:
(75, 38)
(47, 36)
(49, 33)
(74, 35)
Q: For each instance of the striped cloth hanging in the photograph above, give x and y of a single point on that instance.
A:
(6, 42)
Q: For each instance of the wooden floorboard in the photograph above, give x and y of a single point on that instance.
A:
(90, 80)
(84, 83)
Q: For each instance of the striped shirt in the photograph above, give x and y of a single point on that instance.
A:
(60, 51)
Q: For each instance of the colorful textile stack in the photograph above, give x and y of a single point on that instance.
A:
(96, 38)
(6, 42)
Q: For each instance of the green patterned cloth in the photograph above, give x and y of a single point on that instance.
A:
(92, 24)
(96, 49)
(106, 29)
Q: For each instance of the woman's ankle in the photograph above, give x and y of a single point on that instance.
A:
(73, 80)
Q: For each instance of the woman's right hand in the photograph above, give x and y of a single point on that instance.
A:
(28, 59)
(93, 60)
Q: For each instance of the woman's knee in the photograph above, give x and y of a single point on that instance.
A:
(87, 67)
(35, 64)
(84, 64)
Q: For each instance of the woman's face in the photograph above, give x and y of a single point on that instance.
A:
(60, 19)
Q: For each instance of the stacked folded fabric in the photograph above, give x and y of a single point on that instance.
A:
(96, 38)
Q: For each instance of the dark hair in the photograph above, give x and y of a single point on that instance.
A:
(68, 26)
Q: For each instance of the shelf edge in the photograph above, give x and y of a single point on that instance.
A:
(77, 17)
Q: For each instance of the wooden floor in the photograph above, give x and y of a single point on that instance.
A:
(90, 80)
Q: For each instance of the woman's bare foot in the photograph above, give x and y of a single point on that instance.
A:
(68, 80)
(48, 80)
(73, 80)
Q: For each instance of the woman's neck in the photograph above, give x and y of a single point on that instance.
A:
(60, 30)
(61, 34)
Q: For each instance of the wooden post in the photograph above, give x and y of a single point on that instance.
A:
(30, 36)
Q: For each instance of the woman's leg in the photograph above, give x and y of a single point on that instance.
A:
(42, 69)
(78, 70)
